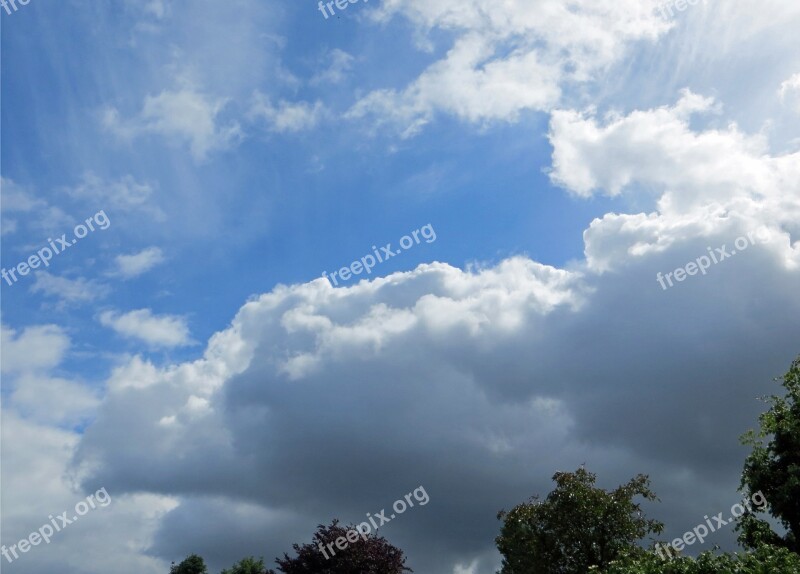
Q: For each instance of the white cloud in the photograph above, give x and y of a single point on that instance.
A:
(129, 266)
(38, 213)
(15, 198)
(471, 569)
(286, 116)
(8, 226)
(185, 115)
(37, 469)
(123, 194)
(705, 182)
(69, 291)
(157, 8)
(790, 93)
(155, 330)
(27, 359)
(148, 15)
(40, 411)
(339, 63)
(588, 157)
(54, 401)
(36, 349)
(514, 57)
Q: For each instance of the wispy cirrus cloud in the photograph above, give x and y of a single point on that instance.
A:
(22, 208)
(76, 291)
(338, 65)
(285, 117)
(124, 193)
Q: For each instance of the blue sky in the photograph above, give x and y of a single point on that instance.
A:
(275, 208)
(563, 152)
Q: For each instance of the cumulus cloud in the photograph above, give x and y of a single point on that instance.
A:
(490, 364)
(35, 349)
(143, 325)
(648, 146)
(704, 181)
(790, 93)
(517, 56)
(27, 359)
(316, 342)
(42, 414)
(129, 266)
(54, 401)
(36, 468)
(186, 116)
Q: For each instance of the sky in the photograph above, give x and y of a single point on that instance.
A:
(572, 234)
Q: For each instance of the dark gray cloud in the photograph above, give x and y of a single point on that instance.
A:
(479, 388)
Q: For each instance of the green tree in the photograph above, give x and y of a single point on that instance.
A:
(577, 526)
(773, 467)
(764, 560)
(192, 564)
(247, 565)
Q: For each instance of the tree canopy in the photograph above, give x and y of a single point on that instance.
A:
(192, 564)
(763, 560)
(773, 467)
(577, 526)
(247, 565)
(365, 554)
